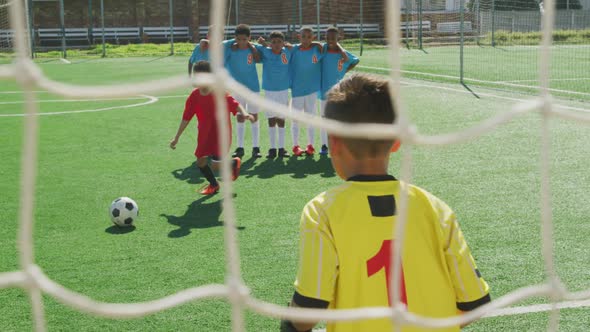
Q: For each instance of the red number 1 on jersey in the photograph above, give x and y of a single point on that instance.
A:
(382, 260)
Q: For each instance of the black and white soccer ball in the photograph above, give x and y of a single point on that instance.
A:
(123, 211)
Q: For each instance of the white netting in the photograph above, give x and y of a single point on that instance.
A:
(5, 31)
(32, 279)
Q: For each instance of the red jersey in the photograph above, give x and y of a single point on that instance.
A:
(204, 108)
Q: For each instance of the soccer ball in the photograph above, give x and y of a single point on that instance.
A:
(123, 211)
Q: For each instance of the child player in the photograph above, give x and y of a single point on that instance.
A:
(201, 104)
(201, 52)
(306, 72)
(240, 59)
(275, 82)
(346, 232)
(336, 62)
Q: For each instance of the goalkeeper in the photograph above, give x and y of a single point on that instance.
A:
(346, 232)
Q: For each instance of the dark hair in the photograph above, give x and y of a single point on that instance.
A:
(306, 28)
(243, 29)
(277, 34)
(332, 29)
(202, 66)
(362, 98)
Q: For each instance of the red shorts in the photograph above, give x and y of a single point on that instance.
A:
(209, 147)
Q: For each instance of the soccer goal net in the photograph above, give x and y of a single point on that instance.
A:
(6, 33)
(36, 283)
(513, 29)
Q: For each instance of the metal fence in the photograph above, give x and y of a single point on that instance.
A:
(529, 21)
(67, 24)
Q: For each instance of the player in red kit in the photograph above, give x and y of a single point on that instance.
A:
(201, 104)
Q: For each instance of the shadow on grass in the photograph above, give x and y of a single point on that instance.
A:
(117, 230)
(190, 174)
(198, 215)
(297, 167)
(469, 89)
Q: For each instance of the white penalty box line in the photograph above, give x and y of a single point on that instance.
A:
(151, 100)
(506, 83)
(154, 99)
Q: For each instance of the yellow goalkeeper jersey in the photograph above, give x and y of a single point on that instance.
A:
(345, 241)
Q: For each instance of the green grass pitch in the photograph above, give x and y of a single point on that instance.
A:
(88, 159)
(508, 67)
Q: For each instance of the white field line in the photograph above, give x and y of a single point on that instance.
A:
(40, 101)
(491, 95)
(410, 84)
(21, 92)
(151, 100)
(476, 80)
(538, 308)
(406, 84)
(551, 79)
(554, 46)
(520, 310)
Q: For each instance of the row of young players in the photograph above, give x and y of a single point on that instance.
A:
(309, 69)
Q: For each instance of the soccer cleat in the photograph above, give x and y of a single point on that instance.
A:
(256, 152)
(324, 150)
(395, 146)
(238, 153)
(283, 153)
(297, 151)
(235, 171)
(210, 189)
(310, 150)
(272, 154)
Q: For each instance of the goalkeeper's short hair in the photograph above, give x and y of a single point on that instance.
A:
(362, 98)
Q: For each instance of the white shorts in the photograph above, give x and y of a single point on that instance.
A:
(307, 103)
(281, 97)
(250, 108)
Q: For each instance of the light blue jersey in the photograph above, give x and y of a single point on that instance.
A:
(198, 55)
(334, 68)
(241, 66)
(306, 70)
(275, 68)
(226, 48)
